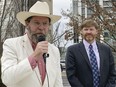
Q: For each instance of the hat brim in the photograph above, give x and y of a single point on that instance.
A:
(22, 16)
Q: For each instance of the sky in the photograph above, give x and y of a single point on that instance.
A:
(57, 6)
(60, 4)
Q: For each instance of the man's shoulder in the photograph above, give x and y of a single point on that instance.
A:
(102, 45)
(52, 46)
(75, 46)
(12, 40)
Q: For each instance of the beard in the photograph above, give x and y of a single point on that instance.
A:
(89, 37)
(33, 35)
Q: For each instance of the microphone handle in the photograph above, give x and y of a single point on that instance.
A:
(45, 55)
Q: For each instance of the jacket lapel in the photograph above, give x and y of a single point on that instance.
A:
(84, 53)
(27, 45)
(101, 56)
(28, 48)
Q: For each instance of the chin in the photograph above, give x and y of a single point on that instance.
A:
(39, 34)
(89, 40)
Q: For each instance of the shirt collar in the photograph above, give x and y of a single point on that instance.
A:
(87, 44)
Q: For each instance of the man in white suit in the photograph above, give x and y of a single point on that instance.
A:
(22, 61)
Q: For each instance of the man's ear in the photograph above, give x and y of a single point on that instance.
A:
(97, 31)
(80, 31)
(26, 23)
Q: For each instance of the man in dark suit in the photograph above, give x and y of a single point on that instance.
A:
(79, 68)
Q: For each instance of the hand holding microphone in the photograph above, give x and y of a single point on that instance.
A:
(41, 48)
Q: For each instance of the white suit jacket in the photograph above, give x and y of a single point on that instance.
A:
(17, 71)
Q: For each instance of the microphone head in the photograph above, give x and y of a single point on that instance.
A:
(41, 38)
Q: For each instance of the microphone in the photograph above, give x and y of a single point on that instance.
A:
(43, 38)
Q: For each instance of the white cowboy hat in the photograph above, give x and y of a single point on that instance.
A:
(38, 9)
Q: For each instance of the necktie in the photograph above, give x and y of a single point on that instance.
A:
(94, 66)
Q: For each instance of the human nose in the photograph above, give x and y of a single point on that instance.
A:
(88, 31)
(41, 26)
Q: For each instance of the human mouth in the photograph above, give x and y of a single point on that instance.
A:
(38, 34)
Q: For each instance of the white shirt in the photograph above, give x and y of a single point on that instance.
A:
(95, 49)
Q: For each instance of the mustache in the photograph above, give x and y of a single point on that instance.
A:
(36, 35)
(88, 34)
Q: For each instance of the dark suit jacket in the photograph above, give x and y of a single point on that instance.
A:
(78, 68)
